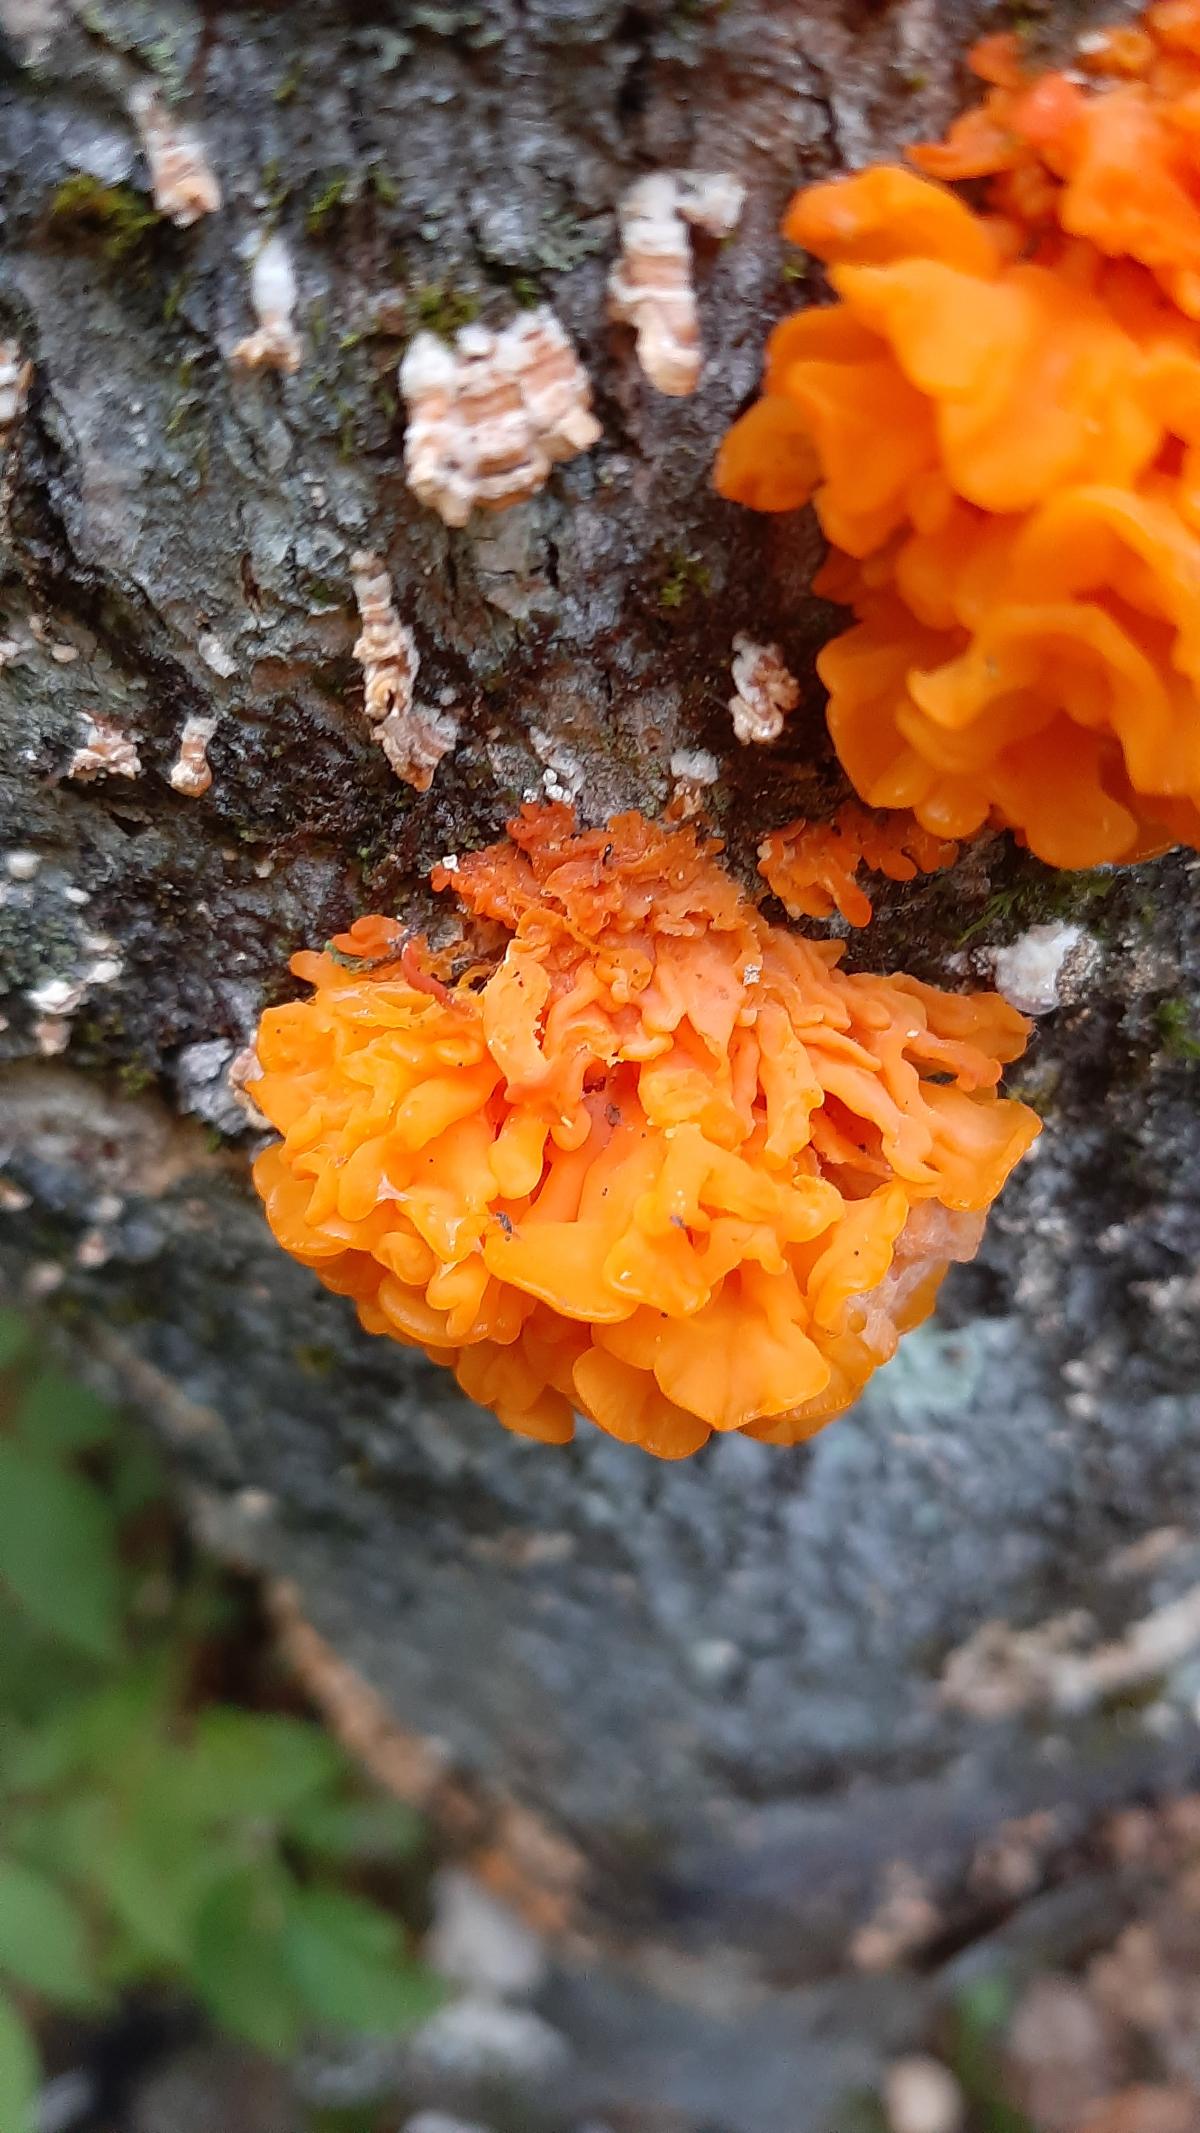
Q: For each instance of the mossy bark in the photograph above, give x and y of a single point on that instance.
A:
(691, 1715)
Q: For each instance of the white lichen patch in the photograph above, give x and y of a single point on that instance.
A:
(490, 416)
(244, 1069)
(211, 1077)
(216, 655)
(52, 1034)
(190, 773)
(563, 776)
(275, 344)
(651, 287)
(15, 378)
(63, 654)
(182, 179)
(693, 771)
(56, 996)
(413, 736)
(1028, 971)
(696, 766)
(106, 751)
(766, 690)
(84, 960)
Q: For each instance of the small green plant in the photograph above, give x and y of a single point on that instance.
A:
(443, 310)
(289, 87)
(115, 217)
(1176, 1030)
(333, 195)
(688, 575)
(148, 1834)
(981, 2012)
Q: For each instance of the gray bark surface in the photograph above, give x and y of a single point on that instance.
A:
(703, 1706)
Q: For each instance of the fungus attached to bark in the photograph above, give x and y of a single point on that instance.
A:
(638, 1153)
(413, 737)
(275, 343)
(813, 867)
(182, 179)
(766, 690)
(490, 417)
(999, 423)
(651, 287)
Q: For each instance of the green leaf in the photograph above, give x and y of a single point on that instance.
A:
(19, 2072)
(349, 1964)
(378, 1829)
(237, 1961)
(57, 1415)
(40, 1677)
(116, 1731)
(146, 1899)
(259, 1764)
(58, 1553)
(43, 1940)
(122, 1723)
(14, 1333)
(150, 1866)
(137, 1478)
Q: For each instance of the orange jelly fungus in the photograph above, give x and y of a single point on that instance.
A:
(812, 867)
(651, 1159)
(999, 423)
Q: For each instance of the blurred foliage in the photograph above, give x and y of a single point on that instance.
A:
(149, 1834)
(980, 2015)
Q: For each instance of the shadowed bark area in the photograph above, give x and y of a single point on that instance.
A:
(716, 1725)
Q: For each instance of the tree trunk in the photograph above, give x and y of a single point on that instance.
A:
(726, 1728)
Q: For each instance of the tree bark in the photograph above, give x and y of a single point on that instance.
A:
(714, 1725)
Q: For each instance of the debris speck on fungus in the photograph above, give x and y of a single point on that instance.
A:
(651, 288)
(655, 1160)
(998, 421)
(766, 690)
(413, 737)
(490, 416)
(182, 180)
(105, 751)
(275, 344)
(813, 867)
(190, 773)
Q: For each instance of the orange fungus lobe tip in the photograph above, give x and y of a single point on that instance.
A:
(813, 867)
(653, 1160)
(998, 421)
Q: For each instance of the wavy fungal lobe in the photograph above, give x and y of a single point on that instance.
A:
(998, 420)
(637, 1154)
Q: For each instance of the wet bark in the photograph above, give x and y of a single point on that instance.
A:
(694, 1719)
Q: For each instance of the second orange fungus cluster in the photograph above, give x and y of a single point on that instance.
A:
(813, 867)
(643, 1155)
(999, 422)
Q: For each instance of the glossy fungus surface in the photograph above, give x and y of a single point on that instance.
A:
(814, 868)
(634, 1153)
(998, 420)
